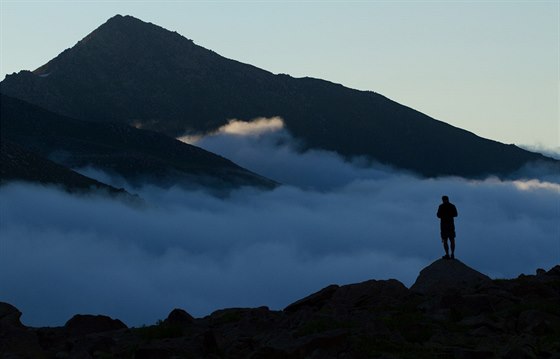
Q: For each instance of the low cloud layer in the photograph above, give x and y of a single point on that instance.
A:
(553, 152)
(333, 222)
(265, 147)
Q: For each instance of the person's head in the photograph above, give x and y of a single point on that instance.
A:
(445, 199)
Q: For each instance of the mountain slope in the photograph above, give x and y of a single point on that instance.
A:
(137, 155)
(19, 164)
(137, 73)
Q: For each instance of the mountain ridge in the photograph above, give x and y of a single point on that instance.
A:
(21, 165)
(139, 156)
(137, 73)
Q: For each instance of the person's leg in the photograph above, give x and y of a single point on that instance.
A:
(445, 247)
(452, 241)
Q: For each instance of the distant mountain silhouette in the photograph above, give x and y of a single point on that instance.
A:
(19, 164)
(138, 73)
(137, 155)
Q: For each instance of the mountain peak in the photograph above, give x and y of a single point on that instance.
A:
(125, 18)
(121, 21)
(120, 25)
(134, 72)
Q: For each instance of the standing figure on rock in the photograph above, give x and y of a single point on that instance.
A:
(446, 212)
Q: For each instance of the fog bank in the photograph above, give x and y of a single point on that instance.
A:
(332, 222)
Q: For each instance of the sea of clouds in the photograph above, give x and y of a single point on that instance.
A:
(332, 221)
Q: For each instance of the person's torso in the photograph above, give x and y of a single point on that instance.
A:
(447, 211)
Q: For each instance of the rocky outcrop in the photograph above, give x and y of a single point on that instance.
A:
(444, 274)
(9, 316)
(452, 311)
(88, 324)
(178, 317)
(17, 341)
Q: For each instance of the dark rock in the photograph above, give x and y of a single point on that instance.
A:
(210, 343)
(481, 321)
(269, 353)
(88, 324)
(516, 318)
(554, 271)
(535, 287)
(241, 346)
(16, 341)
(443, 274)
(478, 303)
(238, 315)
(152, 353)
(178, 317)
(323, 343)
(536, 322)
(352, 296)
(520, 352)
(9, 316)
(369, 293)
(464, 353)
(313, 301)
(101, 344)
(482, 332)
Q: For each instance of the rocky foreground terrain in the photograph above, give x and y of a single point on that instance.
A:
(451, 311)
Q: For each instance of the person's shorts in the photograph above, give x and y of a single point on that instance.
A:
(447, 234)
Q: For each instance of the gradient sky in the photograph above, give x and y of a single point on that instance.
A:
(489, 67)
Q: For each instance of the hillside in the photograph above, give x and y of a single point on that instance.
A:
(139, 156)
(19, 164)
(482, 318)
(140, 74)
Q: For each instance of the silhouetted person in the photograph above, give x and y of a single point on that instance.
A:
(446, 212)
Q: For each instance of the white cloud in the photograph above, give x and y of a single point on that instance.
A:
(255, 127)
(553, 152)
(267, 148)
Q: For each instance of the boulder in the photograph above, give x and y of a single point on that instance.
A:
(352, 296)
(178, 317)
(313, 301)
(554, 271)
(445, 274)
(369, 294)
(552, 275)
(88, 324)
(9, 316)
(16, 340)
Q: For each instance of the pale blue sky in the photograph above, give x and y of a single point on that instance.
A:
(489, 67)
